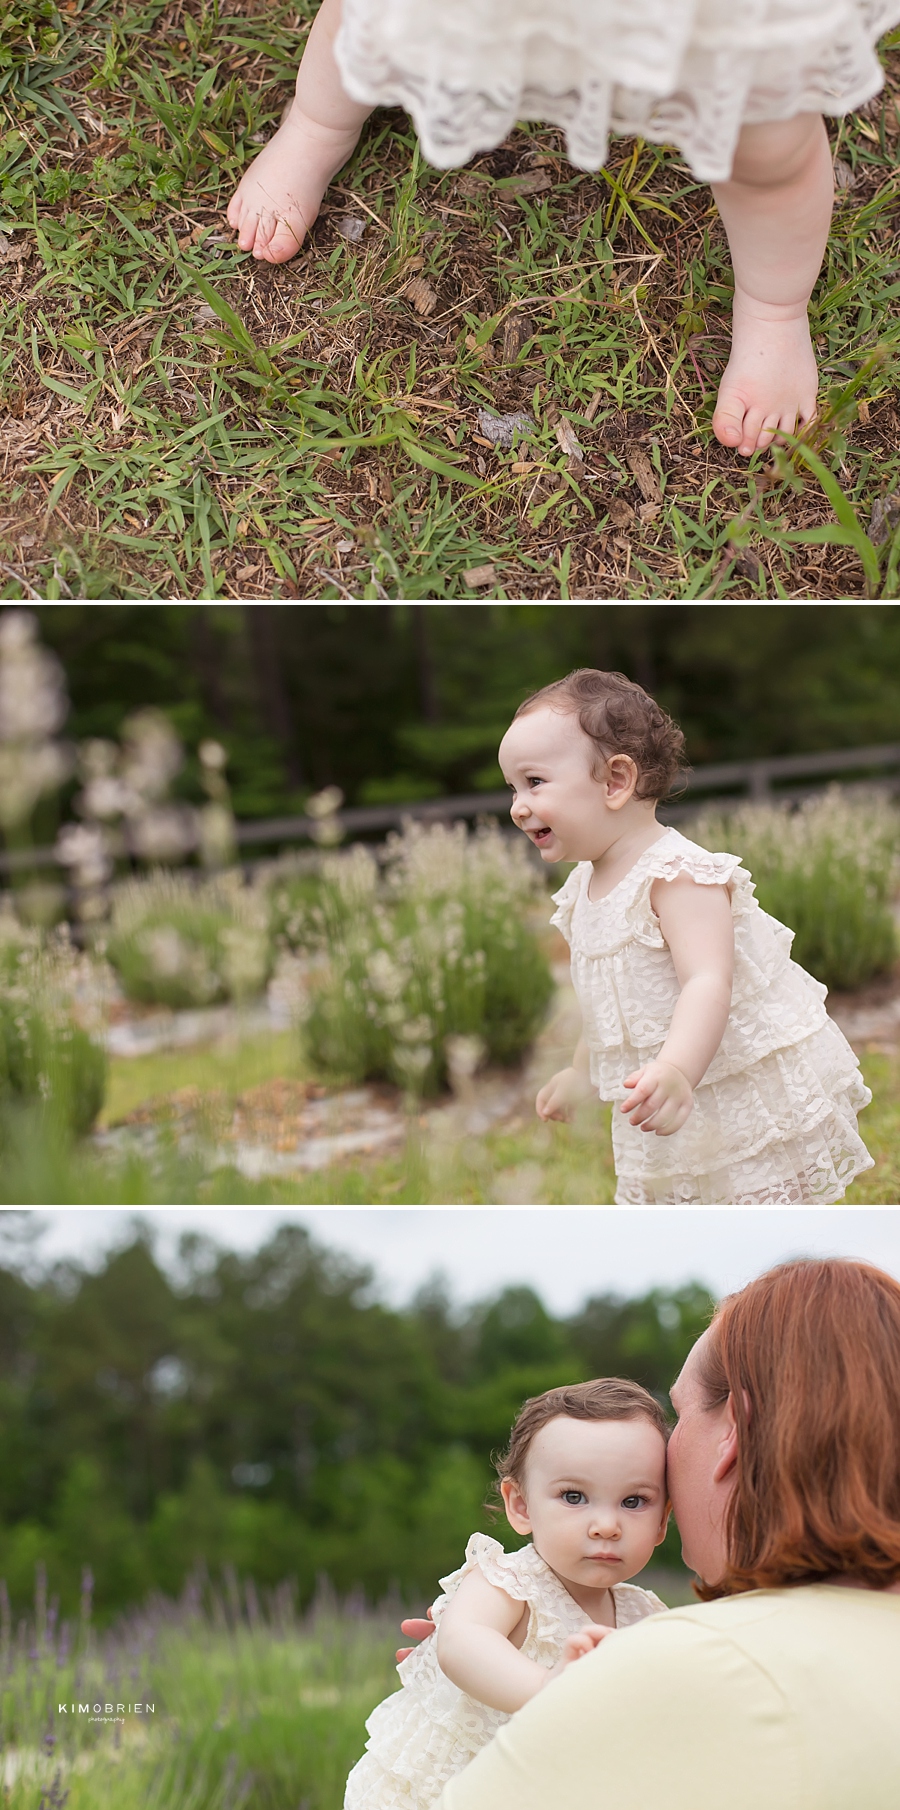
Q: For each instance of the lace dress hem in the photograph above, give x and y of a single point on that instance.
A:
(682, 72)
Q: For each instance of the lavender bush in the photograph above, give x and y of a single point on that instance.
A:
(50, 1053)
(435, 945)
(178, 942)
(830, 870)
(219, 1701)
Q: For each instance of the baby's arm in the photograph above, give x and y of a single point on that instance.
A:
(697, 925)
(566, 1090)
(474, 1649)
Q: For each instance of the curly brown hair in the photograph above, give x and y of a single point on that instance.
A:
(605, 1398)
(620, 717)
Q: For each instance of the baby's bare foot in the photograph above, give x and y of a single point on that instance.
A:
(279, 196)
(770, 382)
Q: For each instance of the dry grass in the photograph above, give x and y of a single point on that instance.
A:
(179, 421)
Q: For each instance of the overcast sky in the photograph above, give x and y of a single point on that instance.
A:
(564, 1253)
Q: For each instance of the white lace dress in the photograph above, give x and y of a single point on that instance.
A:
(425, 1734)
(774, 1118)
(682, 72)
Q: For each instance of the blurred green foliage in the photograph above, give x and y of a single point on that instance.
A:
(58, 1062)
(360, 695)
(267, 1410)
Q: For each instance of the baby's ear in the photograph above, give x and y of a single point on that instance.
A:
(515, 1504)
(664, 1525)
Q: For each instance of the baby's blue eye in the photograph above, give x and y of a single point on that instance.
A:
(633, 1502)
(573, 1497)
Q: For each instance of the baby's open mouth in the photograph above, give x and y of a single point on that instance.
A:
(541, 835)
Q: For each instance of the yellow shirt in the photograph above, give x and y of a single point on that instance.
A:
(777, 1700)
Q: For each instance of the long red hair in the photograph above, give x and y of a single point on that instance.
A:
(810, 1354)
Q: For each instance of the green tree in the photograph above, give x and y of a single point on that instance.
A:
(266, 1410)
(387, 699)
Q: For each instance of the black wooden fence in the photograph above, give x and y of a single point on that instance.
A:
(719, 783)
(761, 780)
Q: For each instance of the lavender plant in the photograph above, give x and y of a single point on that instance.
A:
(219, 1701)
(51, 1009)
(436, 944)
(830, 870)
(33, 707)
(177, 942)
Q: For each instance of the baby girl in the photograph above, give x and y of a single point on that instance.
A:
(732, 1086)
(739, 86)
(584, 1475)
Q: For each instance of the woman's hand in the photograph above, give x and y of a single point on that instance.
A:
(417, 1629)
(661, 1098)
(561, 1095)
(578, 1646)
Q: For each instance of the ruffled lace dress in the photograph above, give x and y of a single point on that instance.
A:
(774, 1118)
(683, 72)
(425, 1734)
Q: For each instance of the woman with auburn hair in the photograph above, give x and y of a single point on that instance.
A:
(781, 1688)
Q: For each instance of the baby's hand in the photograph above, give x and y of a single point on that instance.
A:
(561, 1095)
(578, 1645)
(661, 1098)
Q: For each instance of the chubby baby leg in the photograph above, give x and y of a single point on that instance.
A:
(776, 208)
(280, 194)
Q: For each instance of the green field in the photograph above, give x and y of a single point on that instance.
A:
(264, 1713)
(254, 1708)
(184, 422)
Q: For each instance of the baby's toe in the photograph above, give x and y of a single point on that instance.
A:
(752, 428)
(249, 227)
(285, 239)
(728, 421)
(767, 432)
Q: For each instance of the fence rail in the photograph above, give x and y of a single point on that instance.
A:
(718, 782)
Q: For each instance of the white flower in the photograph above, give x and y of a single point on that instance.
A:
(84, 848)
(166, 950)
(26, 772)
(387, 980)
(353, 875)
(163, 833)
(464, 1056)
(244, 959)
(288, 990)
(215, 823)
(416, 1030)
(104, 796)
(325, 803)
(33, 703)
(152, 754)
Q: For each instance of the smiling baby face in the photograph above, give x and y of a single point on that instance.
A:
(564, 798)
